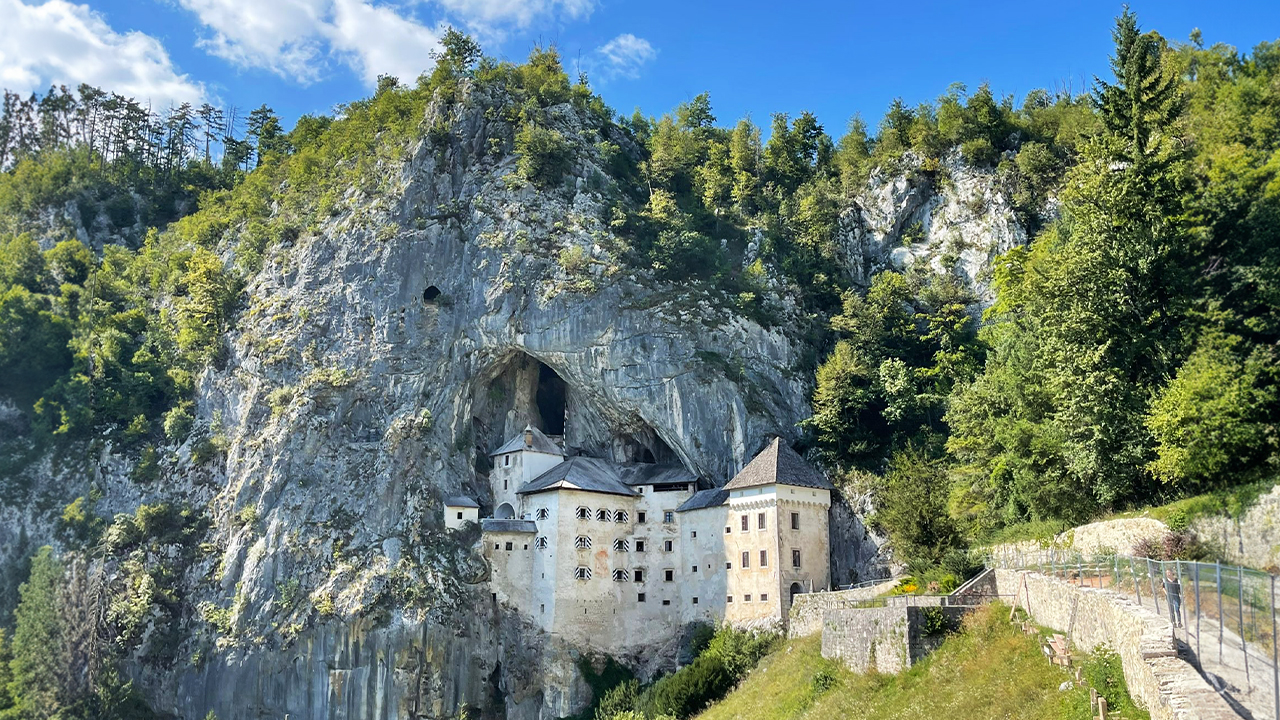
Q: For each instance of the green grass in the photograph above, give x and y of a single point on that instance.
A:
(990, 670)
(1232, 502)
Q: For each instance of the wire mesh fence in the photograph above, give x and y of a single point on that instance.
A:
(1224, 616)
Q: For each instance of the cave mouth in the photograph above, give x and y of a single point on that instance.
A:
(551, 400)
(430, 294)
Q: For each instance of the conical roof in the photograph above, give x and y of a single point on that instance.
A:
(778, 463)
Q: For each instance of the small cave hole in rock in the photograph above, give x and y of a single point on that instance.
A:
(551, 400)
(430, 294)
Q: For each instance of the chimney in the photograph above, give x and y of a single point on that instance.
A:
(528, 437)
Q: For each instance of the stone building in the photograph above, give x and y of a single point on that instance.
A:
(620, 555)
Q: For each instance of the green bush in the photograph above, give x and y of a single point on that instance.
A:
(543, 155)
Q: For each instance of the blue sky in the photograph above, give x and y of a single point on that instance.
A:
(756, 58)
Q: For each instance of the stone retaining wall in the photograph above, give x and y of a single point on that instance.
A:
(1168, 687)
(888, 639)
(807, 609)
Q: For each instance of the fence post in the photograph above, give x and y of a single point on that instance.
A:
(1196, 569)
(1275, 666)
(1154, 598)
(1217, 583)
(1244, 644)
(1134, 574)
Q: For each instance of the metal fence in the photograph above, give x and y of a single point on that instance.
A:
(1224, 616)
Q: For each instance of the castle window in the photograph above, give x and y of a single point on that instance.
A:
(621, 516)
(795, 558)
(693, 534)
(666, 545)
(622, 545)
(505, 482)
(729, 599)
(540, 543)
(668, 516)
(508, 547)
(746, 523)
(695, 601)
(582, 542)
(640, 516)
(459, 516)
(543, 513)
(604, 515)
(764, 558)
(795, 521)
(506, 460)
(666, 602)
(668, 575)
(694, 569)
(620, 576)
(639, 576)
(746, 598)
(764, 597)
(728, 566)
(727, 529)
(584, 513)
(582, 573)
(746, 559)
(760, 521)
(639, 546)
(639, 597)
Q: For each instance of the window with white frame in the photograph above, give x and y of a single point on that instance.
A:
(584, 513)
(582, 542)
(668, 516)
(639, 546)
(621, 576)
(582, 573)
(543, 513)
(604, 515)
(764, 558)
(621, 516)
(540, 543)
(622, 545)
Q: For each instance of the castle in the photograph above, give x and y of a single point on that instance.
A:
(619, 555)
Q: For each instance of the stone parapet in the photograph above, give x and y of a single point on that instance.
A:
(886, 639)
(807, 609)
(1168, 687)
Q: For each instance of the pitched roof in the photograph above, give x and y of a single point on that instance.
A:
(651, 474)
(705, 499)
(580, 473)
(516, 526)
(460, 501)
(541, 443)
(778, 463)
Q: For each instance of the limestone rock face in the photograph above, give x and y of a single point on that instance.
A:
(955, 220)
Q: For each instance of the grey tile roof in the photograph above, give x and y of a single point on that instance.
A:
(650, 474)
(541, 443)
(513, 526)
(705, 499)
(580, 473)
(460, 501)
(778, 463)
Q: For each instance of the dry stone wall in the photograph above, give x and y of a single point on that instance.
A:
(886, 639)
(807, 610)
(1159, 680)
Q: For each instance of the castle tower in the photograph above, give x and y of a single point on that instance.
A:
(521, 459)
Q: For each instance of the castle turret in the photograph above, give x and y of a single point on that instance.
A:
(519, 460)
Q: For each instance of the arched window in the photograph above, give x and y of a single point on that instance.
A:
(582, 573)
(543, 513)
(540, 543)
(621, 576)
(621, 516)
(622, 545)
(582, 542)
(584, 513)
(604, 515)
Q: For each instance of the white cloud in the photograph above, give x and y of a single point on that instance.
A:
(379, 41)
(59, 42)
(295, 39)
(624, 55)
(488, 15)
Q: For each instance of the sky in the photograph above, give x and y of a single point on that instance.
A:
(835, 59)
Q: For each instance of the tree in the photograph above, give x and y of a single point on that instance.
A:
(268, 136)
(39, 652)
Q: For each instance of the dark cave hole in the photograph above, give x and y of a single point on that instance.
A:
(430, 294)
(646, 456)
(551, 400)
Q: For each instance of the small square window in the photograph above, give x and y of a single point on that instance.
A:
(695, 569)
(639, 575)
(666, 602)
(639, 546)
(668, 516)
(639, 597)
(727, 529)
(728, 566)
(729, 599)
(666, 545)
(508, 547)
(746, 598)
(496, 546)
(693, 534)
(459, 516)
(640, 517)
(669, 575)
(695, 601)
(764, 597)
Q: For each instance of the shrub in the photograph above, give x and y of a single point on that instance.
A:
(543, 155)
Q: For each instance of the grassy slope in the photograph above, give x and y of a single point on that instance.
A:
(988, 671)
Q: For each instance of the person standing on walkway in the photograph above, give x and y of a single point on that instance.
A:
(1173, 593)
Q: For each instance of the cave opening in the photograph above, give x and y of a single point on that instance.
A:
(550, 399)
(430, 294)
